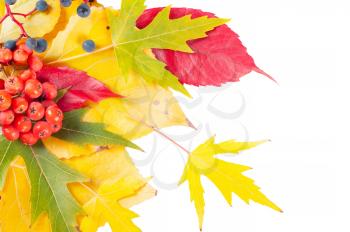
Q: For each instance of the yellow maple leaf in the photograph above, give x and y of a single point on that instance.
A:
(15, 202)
(103, 206)
(33, 24)
(115, 185)
(227, 177)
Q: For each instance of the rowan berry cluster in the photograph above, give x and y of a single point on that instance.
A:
(27, 108)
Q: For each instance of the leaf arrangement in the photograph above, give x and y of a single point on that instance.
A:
(114, 71)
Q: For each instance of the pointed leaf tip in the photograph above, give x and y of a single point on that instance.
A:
(258, 70)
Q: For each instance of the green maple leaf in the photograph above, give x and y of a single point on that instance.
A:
(74, 129)
(49, 178)
(131, 43)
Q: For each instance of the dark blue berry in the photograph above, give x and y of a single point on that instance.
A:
(41, 5)
(31, 43)
(41, 45)
(66, 3)
(83, 10)
(10, 44)
(10, 2)
(89, 45)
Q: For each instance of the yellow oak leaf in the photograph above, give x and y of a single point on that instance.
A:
(36, 25)
(227, 177)
(115, 185)
(15, 203)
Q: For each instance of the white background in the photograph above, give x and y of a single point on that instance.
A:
(304, 44)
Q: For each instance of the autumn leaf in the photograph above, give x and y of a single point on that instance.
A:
(15, 202)
(75, 130)
(49, 178)
(227, 177)
(33, 24)
(216, 59)
(130, 43)
(104, 207)
(80, 87)
(114, 184)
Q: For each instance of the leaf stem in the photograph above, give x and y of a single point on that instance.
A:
(171, 140)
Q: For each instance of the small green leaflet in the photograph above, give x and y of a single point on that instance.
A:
(75, 130)
(49, 178)
(131, 43)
